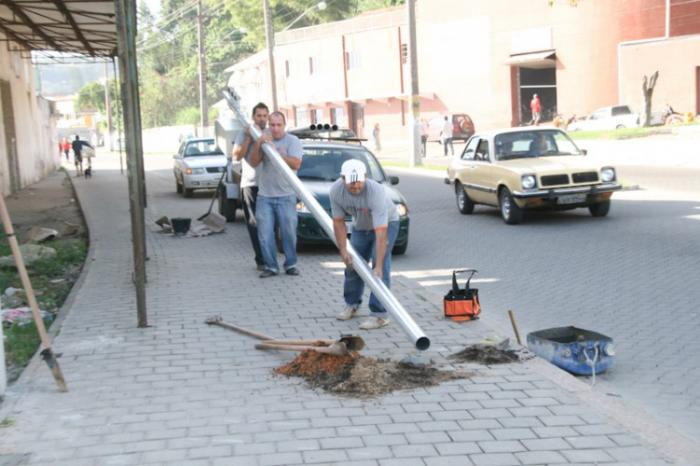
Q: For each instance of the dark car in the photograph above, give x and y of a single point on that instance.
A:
(320, 167)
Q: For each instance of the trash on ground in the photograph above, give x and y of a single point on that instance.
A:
(576, 350)
(187, 228)
(30, 253)
(69, 229)
(20, 315)
(487, 354)
(39, 234)
(362, 377)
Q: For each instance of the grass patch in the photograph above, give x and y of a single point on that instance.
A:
(625, 133)
(52, 280)
(7, 422)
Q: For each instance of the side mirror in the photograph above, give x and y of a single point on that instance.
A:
(584, 151)
(176, 156)
(394, 180)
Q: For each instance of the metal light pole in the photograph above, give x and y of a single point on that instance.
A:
(203, 107)
(108, 107)
(384, 294)
(270, 39)
(414, 144)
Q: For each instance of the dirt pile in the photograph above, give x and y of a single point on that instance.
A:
(485, 354)
(359, 376)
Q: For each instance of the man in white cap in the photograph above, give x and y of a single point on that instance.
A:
(375, 228)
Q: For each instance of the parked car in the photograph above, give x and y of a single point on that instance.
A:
(462, 127)
(529, 169)
(320, 167)
(199, 164)
(607, 118)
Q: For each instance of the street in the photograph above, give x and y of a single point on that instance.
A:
(632, 275)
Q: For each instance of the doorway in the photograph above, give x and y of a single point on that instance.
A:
(540, 81)
(357, 119)
(8, 122)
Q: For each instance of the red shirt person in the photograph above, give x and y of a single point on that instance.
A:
(536, 109)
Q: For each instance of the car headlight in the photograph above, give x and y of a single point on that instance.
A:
(607, 174)
(302, 208)
(195, 171)
(403, 210)
(528, 181)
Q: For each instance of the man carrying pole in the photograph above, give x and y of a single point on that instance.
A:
(375, 228)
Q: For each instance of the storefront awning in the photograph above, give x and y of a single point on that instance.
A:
(537, 60)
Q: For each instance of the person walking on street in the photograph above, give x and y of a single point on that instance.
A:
(446, 136)
(376, 138)
(374, 231)
(276, 204)
(424, 136)
(78, 154)
(536, 109)
(242, 151)
(65, 146)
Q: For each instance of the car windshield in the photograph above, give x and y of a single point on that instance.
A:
(323, 163)
(539, 143)
(197, 148)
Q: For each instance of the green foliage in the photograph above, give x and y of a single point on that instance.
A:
(91, 98)
(187, 116)
(21, 342)
(168, 67)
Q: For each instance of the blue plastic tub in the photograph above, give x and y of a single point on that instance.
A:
(575, 350)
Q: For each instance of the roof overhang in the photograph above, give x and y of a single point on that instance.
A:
(68, 27)
(537, 60)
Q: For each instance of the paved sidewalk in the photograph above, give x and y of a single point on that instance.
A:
(181, 392)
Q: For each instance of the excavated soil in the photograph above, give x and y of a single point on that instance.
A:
(358, 376)
(485, 354)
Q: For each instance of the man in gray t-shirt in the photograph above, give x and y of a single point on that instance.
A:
(242, 150)
(276, 197)
(375, 228)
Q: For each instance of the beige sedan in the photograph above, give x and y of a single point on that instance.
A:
(529, 169)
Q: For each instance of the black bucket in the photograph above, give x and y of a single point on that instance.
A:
(181, 225)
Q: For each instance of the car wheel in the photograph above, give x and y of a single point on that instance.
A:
(600, 209)
(178, 187)
(511, 213)
(227, 207)
(464, 204)
(620, 127)
(188, 192)
(400, 249)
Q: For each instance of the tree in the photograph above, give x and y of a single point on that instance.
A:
(648, 84)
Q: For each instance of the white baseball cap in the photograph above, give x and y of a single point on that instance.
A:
(353, 170)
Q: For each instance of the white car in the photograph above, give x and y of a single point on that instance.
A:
(199, 164)
(607, 118)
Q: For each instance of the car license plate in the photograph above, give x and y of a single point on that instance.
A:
(571, 199)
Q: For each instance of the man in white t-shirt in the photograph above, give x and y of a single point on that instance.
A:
(242, 151)
(375, 227)
(447, 135)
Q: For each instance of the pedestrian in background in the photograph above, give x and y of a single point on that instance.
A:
(424, 136)
(276, 205)
(376, 138)
(536, 109)
(242, 151)
(65, 147)
(446, 136)
(375, 227)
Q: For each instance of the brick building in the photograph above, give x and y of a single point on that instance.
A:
(485, 59)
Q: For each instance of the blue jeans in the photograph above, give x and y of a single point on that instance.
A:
(277, 212)
(364, 243)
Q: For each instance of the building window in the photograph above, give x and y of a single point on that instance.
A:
(404, 54)
(286, 68)
(352, 60)
(337, 116)
(302, 117)
(317, 116)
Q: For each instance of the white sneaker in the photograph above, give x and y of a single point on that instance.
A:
(348, 313)
(374, 323)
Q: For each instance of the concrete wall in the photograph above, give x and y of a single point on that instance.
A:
(33, 124)
(678, 62)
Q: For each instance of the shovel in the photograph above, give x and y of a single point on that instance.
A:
(348, 342)
(214, 220)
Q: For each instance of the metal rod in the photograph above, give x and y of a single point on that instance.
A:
(515, 326)
(385, 296)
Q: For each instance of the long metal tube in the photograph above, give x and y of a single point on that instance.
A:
(385, 296)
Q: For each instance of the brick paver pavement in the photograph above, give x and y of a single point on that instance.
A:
(181, 392)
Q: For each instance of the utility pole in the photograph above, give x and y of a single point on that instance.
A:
(414, 144)
(108, 107)
(270, 39)
(203, 107)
